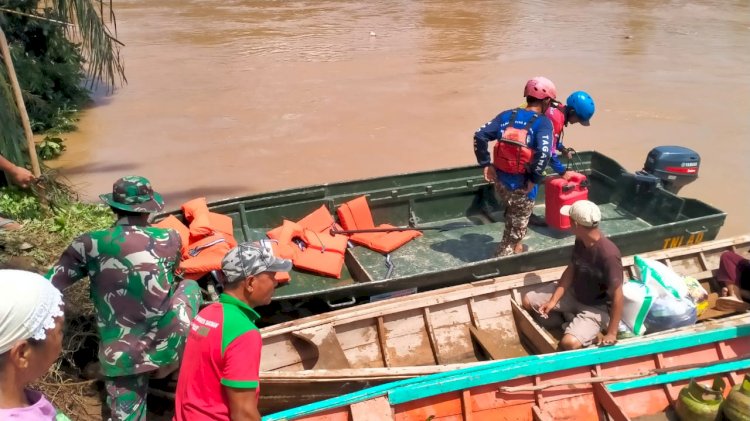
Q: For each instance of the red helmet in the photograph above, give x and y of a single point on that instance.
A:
(540, 88)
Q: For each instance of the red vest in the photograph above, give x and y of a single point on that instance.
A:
(512, 153)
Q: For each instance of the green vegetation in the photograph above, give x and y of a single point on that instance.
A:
(49, 225)
(60, 49)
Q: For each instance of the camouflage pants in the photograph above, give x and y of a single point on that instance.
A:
(518, 209)
(126, 397)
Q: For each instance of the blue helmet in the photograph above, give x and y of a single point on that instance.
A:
(582, 104)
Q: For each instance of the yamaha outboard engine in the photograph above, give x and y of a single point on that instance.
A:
(670, 167)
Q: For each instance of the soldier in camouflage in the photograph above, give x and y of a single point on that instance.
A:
(143, 315)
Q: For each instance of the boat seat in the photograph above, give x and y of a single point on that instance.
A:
(488, 343)
(356, 215)
(330, 354)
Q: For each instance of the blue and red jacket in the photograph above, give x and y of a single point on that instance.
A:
(540, 141)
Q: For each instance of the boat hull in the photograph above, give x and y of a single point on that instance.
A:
(636, 220)
(346, 350)
(626, 382)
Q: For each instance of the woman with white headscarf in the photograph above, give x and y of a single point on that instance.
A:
(31, 320)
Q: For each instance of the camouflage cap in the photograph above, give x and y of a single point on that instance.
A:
(250, 259)
(134, 194)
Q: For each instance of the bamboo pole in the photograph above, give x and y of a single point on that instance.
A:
(21, 106)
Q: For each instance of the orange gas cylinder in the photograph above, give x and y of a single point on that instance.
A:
(558, 192)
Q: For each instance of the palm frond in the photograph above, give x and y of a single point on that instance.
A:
(99, 45)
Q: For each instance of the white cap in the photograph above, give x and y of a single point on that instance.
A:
(29, 305)
(583, 212)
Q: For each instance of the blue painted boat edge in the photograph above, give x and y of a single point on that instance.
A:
(493, 372)
(660, 379)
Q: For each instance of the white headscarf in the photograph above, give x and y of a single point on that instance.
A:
(29, 305)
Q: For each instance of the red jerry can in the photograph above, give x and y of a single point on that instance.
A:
(558, 193)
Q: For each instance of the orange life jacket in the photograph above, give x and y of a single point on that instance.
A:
(205, 241)
(355, 215)
(512, 153)
(309, 243)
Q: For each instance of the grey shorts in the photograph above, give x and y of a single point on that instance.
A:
(587, 321)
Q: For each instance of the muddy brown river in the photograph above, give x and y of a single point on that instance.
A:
(238, 97)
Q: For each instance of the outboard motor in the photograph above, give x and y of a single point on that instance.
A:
(671, 167)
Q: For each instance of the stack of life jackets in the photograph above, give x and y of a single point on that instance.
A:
(205, 240)
(309, 244)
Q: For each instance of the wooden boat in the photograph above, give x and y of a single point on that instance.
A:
(342, 351)
(638, 380)
(638, 218)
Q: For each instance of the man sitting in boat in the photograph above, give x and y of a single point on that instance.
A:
(590, 287)
(521, 154)
(221, 367)
(734, 276)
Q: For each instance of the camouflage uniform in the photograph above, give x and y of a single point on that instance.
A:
(143, 316)
(518, 209)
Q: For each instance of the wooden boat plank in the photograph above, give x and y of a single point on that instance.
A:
(492, 310)
(466, 406)
(359, 340)
(607, 401)
(679, 376)
(331, 356)
(351, 374)
(488, 343)
(669, 390)
(378, 409)
(407, 340)
(472, 312)
(450, 324)
(431, 336)
(542, 342)
(539, 415)
(538, 364)
(726, 353)
(381, 342)
(427, 298)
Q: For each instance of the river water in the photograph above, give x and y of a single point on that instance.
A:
(237, 97)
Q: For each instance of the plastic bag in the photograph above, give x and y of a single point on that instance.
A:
(672, 305)
(661, 279)
(637, 303)
(697, 294)
(669, 313)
